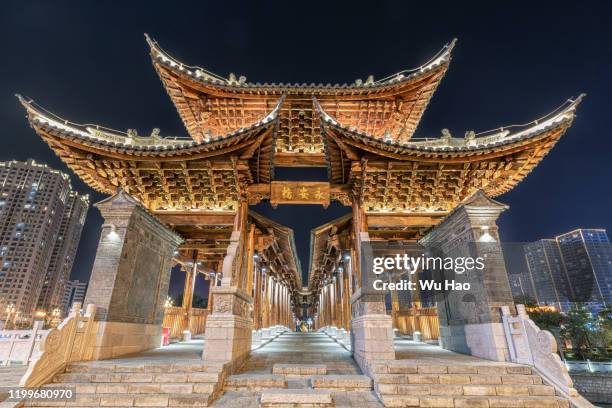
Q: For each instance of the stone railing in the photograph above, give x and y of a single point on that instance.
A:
(60, 346)
(529, 345)
(175, 318)
(20, 346)
(589, 366)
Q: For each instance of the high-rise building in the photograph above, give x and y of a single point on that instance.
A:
(521, 284)
(575, 267)
(587, 255)
(64, 251)
(41, 219)
(75, 292)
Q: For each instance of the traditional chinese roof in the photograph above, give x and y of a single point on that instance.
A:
(163, 173)
(362, 132)
(434, 175)
(209, 103)
(279, 253)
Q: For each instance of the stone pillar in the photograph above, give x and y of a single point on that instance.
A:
(471, 320)
(130, 277)
(371, 327)
(229, 326)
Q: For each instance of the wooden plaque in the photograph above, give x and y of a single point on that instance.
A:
(299, 192)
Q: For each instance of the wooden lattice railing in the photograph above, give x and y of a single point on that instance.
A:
(176, 319)
(424, 320)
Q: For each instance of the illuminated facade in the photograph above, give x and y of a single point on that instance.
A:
(41, 221)
(185, 200)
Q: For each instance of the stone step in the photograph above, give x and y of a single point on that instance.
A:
(296, 398)
(467, 390)
(341, 382)
(112, 377)
(126, 400)
(137, 388)
(255, 382)
(473, 401)
(147, 367)
(458, 379)
(299, 369)
(406, 367)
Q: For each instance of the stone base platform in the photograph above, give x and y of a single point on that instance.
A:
(254, 382)
(314, 368)
(341, 382)
(173, 376)
(431, 376)
(299, 369)
(296, 398)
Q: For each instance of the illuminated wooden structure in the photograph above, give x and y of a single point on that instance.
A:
(399, 186)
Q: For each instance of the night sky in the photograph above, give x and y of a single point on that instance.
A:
(88, 62)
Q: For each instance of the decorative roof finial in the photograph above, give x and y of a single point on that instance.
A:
(387, 136)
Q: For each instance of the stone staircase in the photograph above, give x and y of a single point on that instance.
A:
(148, 383)
(10, 377)
(412, 384)
(297, 385)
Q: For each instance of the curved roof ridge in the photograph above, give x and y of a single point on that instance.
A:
(203, 75)
(442, 56)
(166, 57)
(472, 141)
(130, 141)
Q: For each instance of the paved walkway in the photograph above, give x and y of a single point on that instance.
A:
(423, 353)
(187, 350)
(300, 348)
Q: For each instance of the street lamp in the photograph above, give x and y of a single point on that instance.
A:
(168, 302)
(55, 317)
(10, 309)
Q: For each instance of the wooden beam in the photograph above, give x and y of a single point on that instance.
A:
(196, 217)
(283, 159)
(387, 220)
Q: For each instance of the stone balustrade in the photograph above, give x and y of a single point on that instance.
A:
(71, 341)
(529, 345)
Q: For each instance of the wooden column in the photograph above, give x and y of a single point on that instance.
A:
(211, 283)
(250, 254)
(338, 300)
(188, 291)
(256, 298)
(346, 298)
(265, 296)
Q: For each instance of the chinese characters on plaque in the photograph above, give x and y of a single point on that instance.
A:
(299, 192)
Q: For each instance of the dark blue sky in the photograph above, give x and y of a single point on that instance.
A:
(88, 62)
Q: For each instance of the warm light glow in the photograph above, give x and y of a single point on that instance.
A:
(112, 234)
(168, 302)
(486, 237)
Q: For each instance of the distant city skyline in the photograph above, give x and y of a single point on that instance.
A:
(573, 267)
